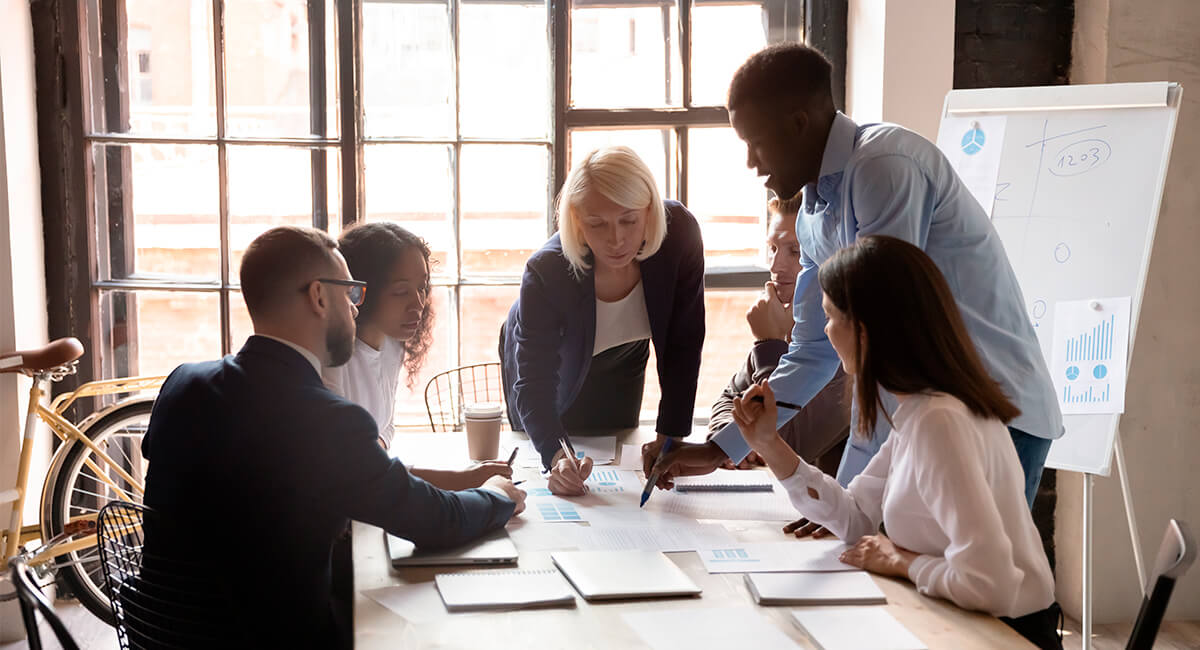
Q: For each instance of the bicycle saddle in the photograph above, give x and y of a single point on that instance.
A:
(55, 353)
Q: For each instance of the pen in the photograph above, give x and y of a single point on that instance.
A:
(654, 471)
(569, 451)
(786, 405)
(518, 482)
(512, 456)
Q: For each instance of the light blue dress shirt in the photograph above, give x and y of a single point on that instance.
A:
(881, 179)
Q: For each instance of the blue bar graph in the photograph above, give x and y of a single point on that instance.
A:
(1091, 395)
(1094, 346)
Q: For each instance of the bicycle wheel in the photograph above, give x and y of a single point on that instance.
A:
(79, 492)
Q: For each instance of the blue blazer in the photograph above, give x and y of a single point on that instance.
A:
(551, 330)
(254, 445)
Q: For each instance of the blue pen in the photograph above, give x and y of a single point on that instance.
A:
(654, 471)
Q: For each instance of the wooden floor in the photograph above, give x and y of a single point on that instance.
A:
(93, 634)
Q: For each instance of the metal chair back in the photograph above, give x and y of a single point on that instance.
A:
(449, 391)
(1175, 556)
(33, 601)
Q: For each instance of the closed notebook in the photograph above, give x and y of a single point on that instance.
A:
(815, 588)
(855, 628)
(505, 589)
(600, 575)
(726, 480)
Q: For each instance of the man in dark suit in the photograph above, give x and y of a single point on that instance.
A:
(256, 468)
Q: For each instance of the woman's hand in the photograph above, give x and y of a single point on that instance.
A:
(476, 474)
(568, 474)
(877, 554)
(755, 419)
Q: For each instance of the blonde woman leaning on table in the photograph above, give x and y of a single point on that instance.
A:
(947, 484)
(625, 269)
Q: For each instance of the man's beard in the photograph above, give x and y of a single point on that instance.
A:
(339, 341)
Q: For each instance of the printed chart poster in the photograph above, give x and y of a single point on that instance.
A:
(1091, 346)
(973, 145)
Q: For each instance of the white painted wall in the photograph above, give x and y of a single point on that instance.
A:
(1134, 40)
(899, 62)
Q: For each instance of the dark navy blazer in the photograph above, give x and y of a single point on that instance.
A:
(551, 331)
(267, 466)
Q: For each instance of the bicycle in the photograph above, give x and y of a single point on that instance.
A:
(85, 472)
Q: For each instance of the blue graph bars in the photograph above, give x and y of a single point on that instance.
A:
(1085, 397)
(1096, 346)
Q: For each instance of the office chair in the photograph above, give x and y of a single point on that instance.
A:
(448, 391)
(1175, 555)
(157, 602)
(32, 601)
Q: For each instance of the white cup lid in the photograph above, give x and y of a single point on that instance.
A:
(483, 410)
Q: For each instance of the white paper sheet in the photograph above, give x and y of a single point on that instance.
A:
(668, 539)
(631, 457)
(1090, 348)
(418, 603)
(705, 628)
(855, 628)
(773, 557)
(529, 535)
(759, 506)
(601, 449)
(973, 145)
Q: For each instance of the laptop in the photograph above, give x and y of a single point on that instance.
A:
(605, 575)
(493, 548)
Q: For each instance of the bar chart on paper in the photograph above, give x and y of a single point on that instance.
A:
(1091, 341)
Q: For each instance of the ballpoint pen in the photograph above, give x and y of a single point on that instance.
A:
(569, 451)
(654, 471)
(512, 456)
(787, 405)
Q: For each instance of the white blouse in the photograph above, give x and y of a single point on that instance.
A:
(947, 485)
(370, 379)
(623, 321)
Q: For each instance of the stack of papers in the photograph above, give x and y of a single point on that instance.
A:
(511, 589)
(816, 588)
(856, 628)
(697, 628)
(772, 557)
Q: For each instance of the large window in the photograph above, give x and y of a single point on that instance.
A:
(209, 121)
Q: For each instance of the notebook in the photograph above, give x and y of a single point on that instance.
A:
(828, 588)
(855, 628)
(493, 548)
(603, 575)
(726, 480)
(505, 589)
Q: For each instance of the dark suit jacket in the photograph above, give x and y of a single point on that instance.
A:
(551, 330)
(267, 467)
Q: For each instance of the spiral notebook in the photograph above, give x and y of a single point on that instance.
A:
(727, 480)
(504, 589)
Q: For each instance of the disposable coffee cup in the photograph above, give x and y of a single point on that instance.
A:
(482, 421)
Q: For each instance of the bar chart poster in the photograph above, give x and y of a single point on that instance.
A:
(1091, 347)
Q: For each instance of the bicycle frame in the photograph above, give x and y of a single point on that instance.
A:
(68, 433)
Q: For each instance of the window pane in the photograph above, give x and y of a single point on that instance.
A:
(268, 69)
(504, 190)
(240, 325)
(162, 81)
(656, 147)
(484, 310)
(273, 186)
(504, 54)
(151, 332)
(408, 69)
(157, 210)
(410, 184)
(410, 402)
(625, 57)
(722, 38)
(726, 196)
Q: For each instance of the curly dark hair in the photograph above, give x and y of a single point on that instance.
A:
(371, 251)
(787, 71)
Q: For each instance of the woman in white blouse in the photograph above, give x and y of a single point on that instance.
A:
(947, 485)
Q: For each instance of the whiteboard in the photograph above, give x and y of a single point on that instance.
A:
(1076, 205)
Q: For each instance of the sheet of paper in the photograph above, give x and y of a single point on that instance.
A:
(527, 456)
(855, 628)
(601, 449)
(1090, 348)
(760, 506)
(554, 510)
(530, 535)
(418, 603)
(631, 457)
(697, 628)
(604, 480)
(612, 499)
(973, 145)
(668, 539)
(773, 557)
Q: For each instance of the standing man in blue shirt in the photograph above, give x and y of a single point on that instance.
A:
(874, 179)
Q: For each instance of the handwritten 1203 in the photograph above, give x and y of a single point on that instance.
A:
(1079, 157)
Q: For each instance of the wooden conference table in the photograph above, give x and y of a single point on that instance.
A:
(936, 622)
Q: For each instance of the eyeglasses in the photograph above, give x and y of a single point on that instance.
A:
(357, 289)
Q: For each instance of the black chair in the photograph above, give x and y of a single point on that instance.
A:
(1176, 554)
(32, 601)
(157, 602)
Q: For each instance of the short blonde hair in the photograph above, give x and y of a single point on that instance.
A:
(620, 176)
(785, 207)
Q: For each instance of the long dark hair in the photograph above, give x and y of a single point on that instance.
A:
(371, 251)
(915, 338)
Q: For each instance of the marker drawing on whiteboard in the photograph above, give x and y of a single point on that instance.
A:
(1038, 310)
(1062, 253)
(1080, 157)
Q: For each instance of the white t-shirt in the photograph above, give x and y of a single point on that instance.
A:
(621, 322)
(947, 485)
(370, 379)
